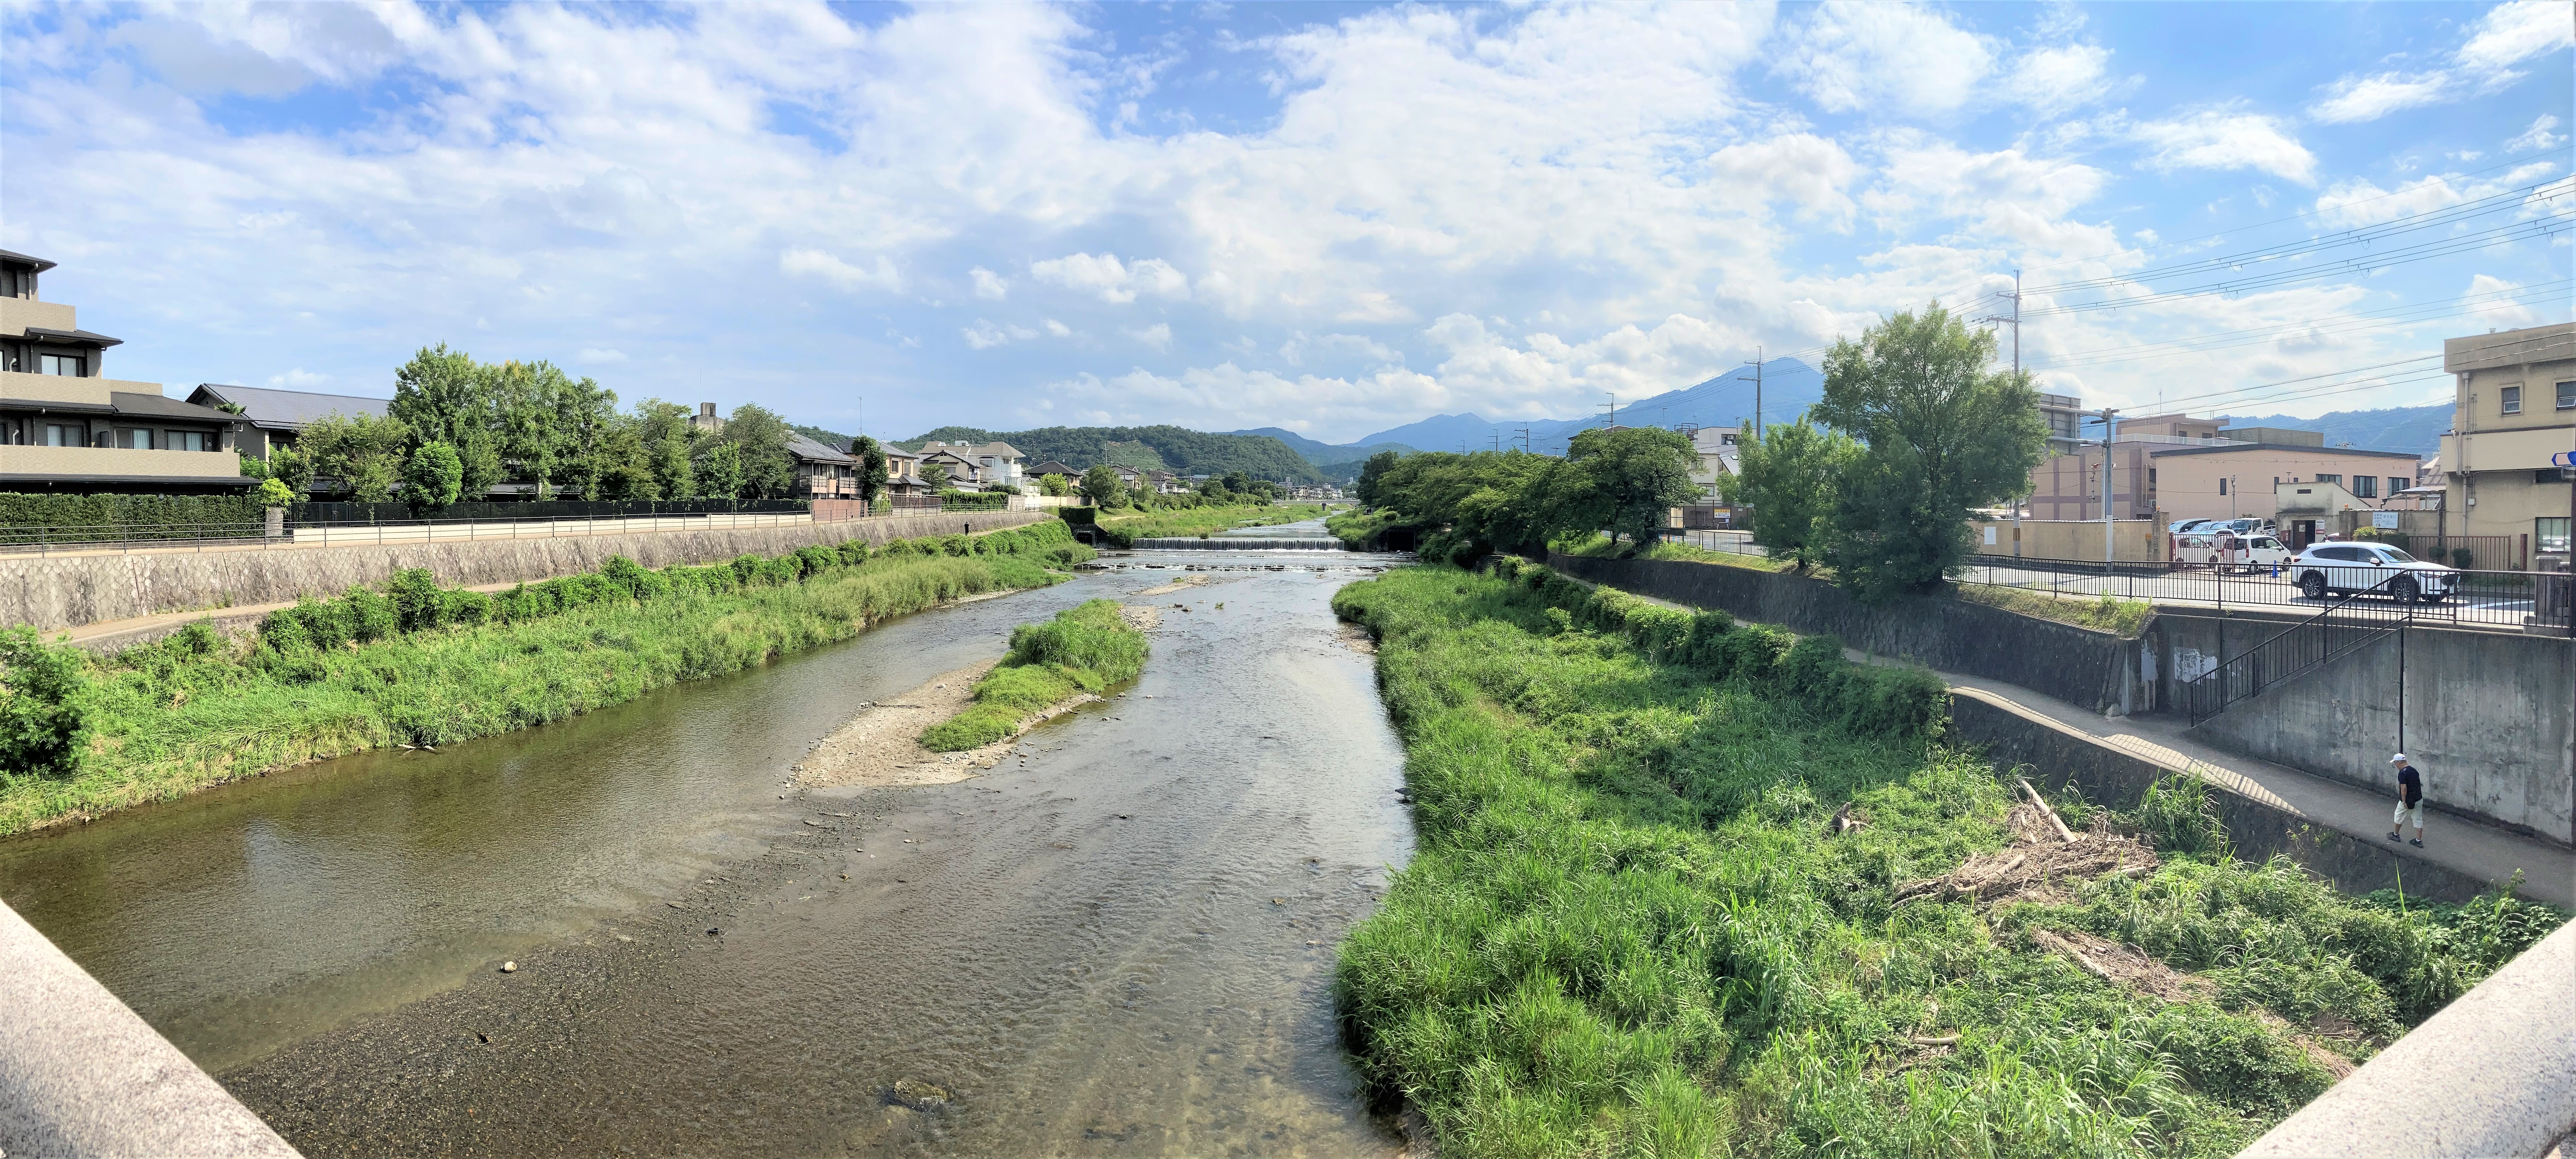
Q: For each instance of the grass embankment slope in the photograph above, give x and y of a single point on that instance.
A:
(1083, 649)
(416, 664)
(2102, 613)
(1635, 926)
(1124, 530)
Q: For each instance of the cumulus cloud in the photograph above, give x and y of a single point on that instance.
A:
(1158, 336)
(601, 356)
(2055, 79)
(2538, 136)
(1894, 57)
(1110, 280)
(2506, 35)
(989, 285)
(986, 334)
(879, 274)
(2359, 201)
(2227, 138)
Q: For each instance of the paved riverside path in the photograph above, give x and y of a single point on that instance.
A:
(2453, 842)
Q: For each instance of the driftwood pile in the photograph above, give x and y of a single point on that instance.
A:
(2044, 852)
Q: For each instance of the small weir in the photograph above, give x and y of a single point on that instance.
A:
(1239, 543)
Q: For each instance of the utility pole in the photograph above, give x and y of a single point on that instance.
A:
(2108, 413)
(1525, 440)
(1610, 416)
(1757, 390)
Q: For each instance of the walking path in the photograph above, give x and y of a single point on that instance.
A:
(2453, 842)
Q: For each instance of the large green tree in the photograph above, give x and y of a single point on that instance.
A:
(669, 443)
(1103, 488)
(873, 467)
(768, 471)
(363, 454)
(1787, 479)
(434, 476)
(1946, 433)
(443, 396)
(1635, 476)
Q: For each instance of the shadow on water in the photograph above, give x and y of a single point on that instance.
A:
(1118, 942)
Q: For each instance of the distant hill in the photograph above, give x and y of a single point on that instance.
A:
(1322, 454)
(2416, 430)
(1173, 448)
(1789, 387)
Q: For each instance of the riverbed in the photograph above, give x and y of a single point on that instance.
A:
(1118, 942)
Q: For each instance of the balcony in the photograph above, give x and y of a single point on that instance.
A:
(22, 390)
(116, 463)
(17, 314)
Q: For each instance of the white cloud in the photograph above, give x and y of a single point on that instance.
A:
(2359, 202)
(1891, 58)
(298, 379)
(600, 356)
(2503, 313)
(2512, 33)
(2507, 35)
(817, 263)
(1158, 336)
(1111, 280)
(2055, 79)
(2227, 138)
(986, 334)
(989, 285)
(2538, 137)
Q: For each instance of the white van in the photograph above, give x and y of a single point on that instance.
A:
(2229, 551)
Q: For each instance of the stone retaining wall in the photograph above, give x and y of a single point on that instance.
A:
(69, 591)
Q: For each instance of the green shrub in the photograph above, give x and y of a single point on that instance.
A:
(464, 607)
(1083, 649)
(416, 598)
(43, 730)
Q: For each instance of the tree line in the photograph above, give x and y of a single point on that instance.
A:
(1102, 487)
(1916, 430)
(457, 427)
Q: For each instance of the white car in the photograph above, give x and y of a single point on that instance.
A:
(2363, 567)
(2186, 525)
(2227, 551)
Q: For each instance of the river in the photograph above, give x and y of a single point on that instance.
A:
(1118, 942)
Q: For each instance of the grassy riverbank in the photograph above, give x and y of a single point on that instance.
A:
(1124, 530)
(1636, 926)
(415, 665)
(1083, 649)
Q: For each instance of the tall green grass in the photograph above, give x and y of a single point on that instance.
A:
(1083, 649)
(1125, 530)
(1629, 930)
(172, 717)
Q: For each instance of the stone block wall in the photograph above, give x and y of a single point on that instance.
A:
(68, 591)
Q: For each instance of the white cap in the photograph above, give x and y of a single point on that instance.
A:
(2398, 759)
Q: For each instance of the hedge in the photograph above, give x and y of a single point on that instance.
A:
(96, 518)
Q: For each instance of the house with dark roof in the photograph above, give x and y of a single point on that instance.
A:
(1052, 467)
(276, 417)
(65, 426)
(821, 472)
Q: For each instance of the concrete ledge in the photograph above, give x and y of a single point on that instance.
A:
(67, 592)
(2060, 756)
(2492, 1074)
(81, 1075)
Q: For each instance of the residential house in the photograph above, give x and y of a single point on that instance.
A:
(2168, 467)
(275, 418)
(2514, 407)
(66, 426)
(821, 472)
(964, 474)
(1716, 459)
(1053, 467)
(995, 464)
(903, 472)
(1171, 483)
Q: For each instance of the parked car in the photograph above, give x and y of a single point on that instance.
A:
(2361, 567)
(2185, 526)
(2228, 551)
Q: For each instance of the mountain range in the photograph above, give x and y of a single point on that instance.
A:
(1789, 387)
(2414, 429)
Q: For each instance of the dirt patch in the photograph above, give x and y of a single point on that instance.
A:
(2033, 866)
(1145, 617)
(2125, 965)
(1175, 585)
(1357, 639)
(880, 745)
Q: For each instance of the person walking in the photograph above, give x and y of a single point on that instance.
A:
(2410, 800)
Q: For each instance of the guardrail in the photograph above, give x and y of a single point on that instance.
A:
(2488, 599)
(2340, 627)
(93, 539)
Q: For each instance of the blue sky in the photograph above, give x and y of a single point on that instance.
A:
(1330, 218)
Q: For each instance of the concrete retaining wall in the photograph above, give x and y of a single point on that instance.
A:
(2095, 669)
(2490, 717)
(2059, 756)
(68, 591)
(82, 1075)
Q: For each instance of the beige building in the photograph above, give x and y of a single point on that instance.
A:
(1714, 448)
(2514, 407)
(2234, 480)
(2068, 485)
(67, 427)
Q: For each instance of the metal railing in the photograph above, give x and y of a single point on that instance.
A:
(2340, 627)
(2487, 599)
(130, 538)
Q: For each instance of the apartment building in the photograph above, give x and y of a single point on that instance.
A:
(2514, 406)
(274, 419)
(2170, 467)
(65, 426)
(1714, 458)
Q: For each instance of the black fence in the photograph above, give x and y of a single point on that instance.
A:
(2342, 625)
(2493, 599)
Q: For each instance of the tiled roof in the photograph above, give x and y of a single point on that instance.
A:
(814, 452)
(286, 409)
(161, 406)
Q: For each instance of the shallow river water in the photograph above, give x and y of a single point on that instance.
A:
(1118, 942)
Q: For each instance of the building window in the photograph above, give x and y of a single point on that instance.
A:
(131, 439)
(2567, 396)
(2365, 487)
(63, 364)
(2397, 483)
(65, 435)
(2222, 487)
(2325, 479)
(2512, 396)
(2549, 533)
(191, 441)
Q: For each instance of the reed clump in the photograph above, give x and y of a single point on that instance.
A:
(1655, 910)
(412, 663)
(1088, 648)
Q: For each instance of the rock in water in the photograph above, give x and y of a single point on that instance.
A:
(919, 1096)
(509, 967)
